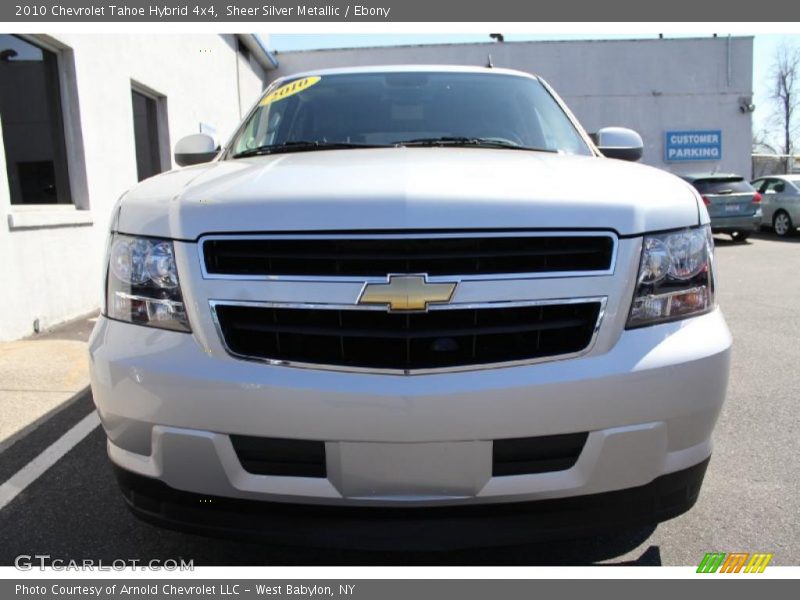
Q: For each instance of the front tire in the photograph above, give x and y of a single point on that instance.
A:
(782, 224)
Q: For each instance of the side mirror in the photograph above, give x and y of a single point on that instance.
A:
(619, 142)
(195, 149)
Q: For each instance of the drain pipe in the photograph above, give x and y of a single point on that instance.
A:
(729, 60)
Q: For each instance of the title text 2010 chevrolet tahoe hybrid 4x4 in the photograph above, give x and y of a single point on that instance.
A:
(410, 302)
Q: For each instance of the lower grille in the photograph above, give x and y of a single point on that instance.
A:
(544, 454)
(376, 339)
(276, 456)
(306, 458)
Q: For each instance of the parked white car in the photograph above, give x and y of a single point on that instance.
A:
(781, 202)
(410, 305)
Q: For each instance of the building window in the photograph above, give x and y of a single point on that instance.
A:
(146, 135)
(32, 123)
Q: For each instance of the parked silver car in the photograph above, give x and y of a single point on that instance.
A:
(781, 202)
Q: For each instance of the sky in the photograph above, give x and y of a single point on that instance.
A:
(764, 47)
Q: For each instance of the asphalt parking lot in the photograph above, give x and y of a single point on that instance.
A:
(749, 503)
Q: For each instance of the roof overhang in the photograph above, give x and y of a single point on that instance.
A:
(263, 57)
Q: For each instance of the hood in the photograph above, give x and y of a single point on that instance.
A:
(408, 189)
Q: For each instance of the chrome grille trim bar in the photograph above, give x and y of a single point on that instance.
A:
(409, 235)
(403, 372)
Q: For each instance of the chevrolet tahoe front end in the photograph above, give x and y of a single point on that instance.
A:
(407, 336)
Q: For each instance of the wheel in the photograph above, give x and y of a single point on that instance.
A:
(739, 236)
(782, 224)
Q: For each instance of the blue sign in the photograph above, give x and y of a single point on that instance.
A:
(693, 145)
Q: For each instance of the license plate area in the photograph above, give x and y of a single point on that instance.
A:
(409, 471)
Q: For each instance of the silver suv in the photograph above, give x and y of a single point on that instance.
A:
(410, 303)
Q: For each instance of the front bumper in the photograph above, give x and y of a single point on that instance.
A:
(443, 528)
(649, 405)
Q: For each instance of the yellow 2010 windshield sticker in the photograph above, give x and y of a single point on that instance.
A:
(295, 87)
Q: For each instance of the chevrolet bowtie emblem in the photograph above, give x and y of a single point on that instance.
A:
(407, 293)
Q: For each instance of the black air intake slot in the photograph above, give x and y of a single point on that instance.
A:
(543, 454)
(277, 456)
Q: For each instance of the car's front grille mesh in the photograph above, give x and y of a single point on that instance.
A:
(376, 339)
(370, 257)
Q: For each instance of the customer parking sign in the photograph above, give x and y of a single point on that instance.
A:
(693, 145)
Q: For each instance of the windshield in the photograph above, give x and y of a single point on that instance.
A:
(386, 109)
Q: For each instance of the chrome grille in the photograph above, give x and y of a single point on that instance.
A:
(445, 337)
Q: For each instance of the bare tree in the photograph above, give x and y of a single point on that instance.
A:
(785, 80)
(764, 159)
(762, 144)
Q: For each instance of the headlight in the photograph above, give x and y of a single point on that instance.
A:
(143, 286)
(676, 277)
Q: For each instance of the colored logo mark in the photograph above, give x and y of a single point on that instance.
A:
(734, 562)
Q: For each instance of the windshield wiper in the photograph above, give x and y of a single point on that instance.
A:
(301, 146)
(308, 146)
(479, 142)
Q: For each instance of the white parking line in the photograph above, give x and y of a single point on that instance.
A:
(50, 456)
